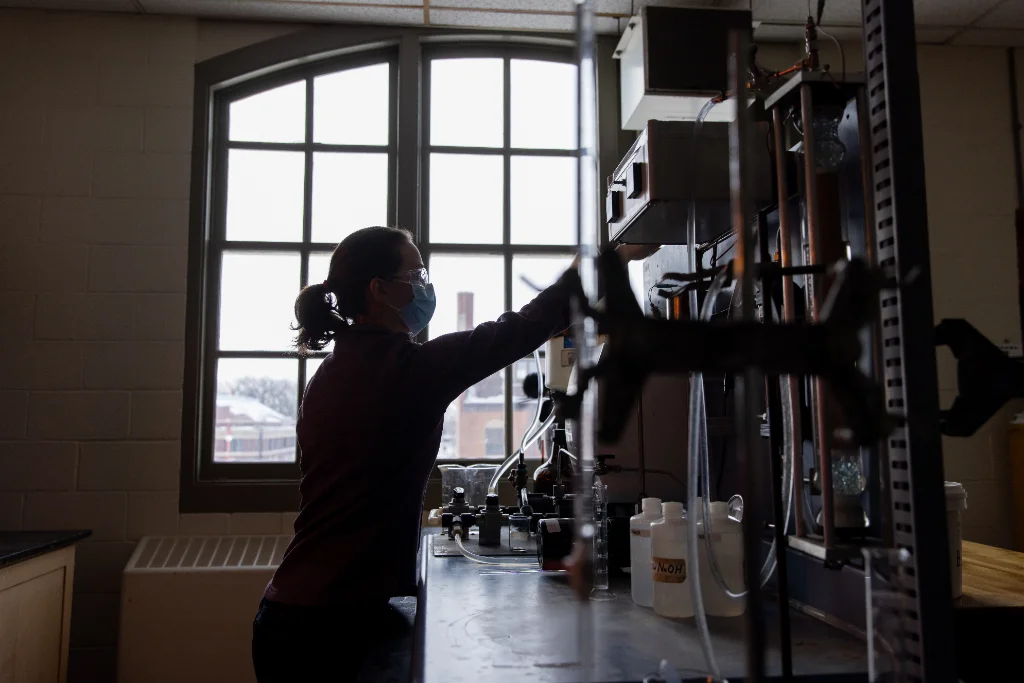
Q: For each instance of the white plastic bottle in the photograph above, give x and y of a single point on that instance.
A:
(727, 538)
(671, 592)
(640, 550)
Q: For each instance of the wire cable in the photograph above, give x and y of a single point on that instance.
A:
(842, 53)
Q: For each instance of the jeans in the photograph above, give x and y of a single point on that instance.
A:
(299, 644)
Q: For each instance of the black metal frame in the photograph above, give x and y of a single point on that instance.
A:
(240, 487)
(914, 459)
(505, 249)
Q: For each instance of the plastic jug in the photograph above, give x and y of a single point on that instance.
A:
(727, 538)
(956, 503)
(640, 551)
(671, 591)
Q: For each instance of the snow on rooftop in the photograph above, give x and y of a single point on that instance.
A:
(250, 409)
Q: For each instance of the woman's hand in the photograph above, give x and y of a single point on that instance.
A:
(636, 252)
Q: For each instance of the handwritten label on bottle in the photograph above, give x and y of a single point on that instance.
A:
(668, 569)
(642, 533)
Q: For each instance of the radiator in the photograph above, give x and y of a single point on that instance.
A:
(187, 605)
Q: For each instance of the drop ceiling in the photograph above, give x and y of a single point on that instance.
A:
(952, 22)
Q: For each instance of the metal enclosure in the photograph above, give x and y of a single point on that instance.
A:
(672, 60)
(649, 193)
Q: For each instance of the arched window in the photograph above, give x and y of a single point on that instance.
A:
(471, 146)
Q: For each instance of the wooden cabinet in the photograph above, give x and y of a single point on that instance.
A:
(35, 617)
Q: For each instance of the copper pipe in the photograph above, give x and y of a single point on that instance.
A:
(785, 72)
(788, 384)
(822, 438)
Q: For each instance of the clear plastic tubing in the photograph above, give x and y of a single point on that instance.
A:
(696, 398)
(523, 445)
(702, 448)
(505, 466)
(540, 398)
(493, 561)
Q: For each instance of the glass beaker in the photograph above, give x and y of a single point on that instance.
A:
(473, 480)
(848, 483)
(519, 533)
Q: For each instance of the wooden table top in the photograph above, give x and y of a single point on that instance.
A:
(993, 577)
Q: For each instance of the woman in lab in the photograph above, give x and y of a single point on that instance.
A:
(369, 429)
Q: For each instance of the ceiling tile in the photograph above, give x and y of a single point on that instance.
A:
(617, 7)
(987, 37)
(513, 20)
(950, 12)
(85, 5)
(935, 34)
(288, 10)
(623, 7)
(778, 32)
(846, 12)
(567, 6)
(607, 26)
(793, 32)
(1007, 14)
(701, 4)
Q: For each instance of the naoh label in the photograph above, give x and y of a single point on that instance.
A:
(668, 569)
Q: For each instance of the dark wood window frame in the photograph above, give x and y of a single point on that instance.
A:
(505, 249)
(218, 487)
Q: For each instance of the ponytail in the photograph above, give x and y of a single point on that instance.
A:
(325, 309)
(318, 318)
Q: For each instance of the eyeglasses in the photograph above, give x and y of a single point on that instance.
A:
(416, 276)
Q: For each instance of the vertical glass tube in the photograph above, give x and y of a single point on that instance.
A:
(601, 590)
(584, 328)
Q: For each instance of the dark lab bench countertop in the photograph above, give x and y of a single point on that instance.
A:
(503, 625)
(16, 546)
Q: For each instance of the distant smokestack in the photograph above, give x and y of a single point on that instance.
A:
(465, 311)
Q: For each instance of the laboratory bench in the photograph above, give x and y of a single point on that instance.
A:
(37, 570)
(499, 624)
(989, 618)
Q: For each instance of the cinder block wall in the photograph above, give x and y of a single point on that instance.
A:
(95, 133)
(95, 142)
(966, 123)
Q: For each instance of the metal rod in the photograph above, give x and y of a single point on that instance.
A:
(774, 402)
(747, 433)
(821, 433)
(1018, 171)
(788, 383)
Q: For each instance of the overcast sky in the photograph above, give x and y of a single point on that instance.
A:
(350, 191)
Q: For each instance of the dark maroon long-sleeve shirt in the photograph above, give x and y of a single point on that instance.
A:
(369, 430)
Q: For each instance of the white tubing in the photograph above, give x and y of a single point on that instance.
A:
(491, 561)
(492, 487)
(696, 397)
(540, 398)
(696, 394)
(768, 568)
(545, 426)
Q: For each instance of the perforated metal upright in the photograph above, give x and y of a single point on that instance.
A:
(917, 513)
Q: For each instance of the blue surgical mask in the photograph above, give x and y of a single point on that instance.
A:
(418, 312)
